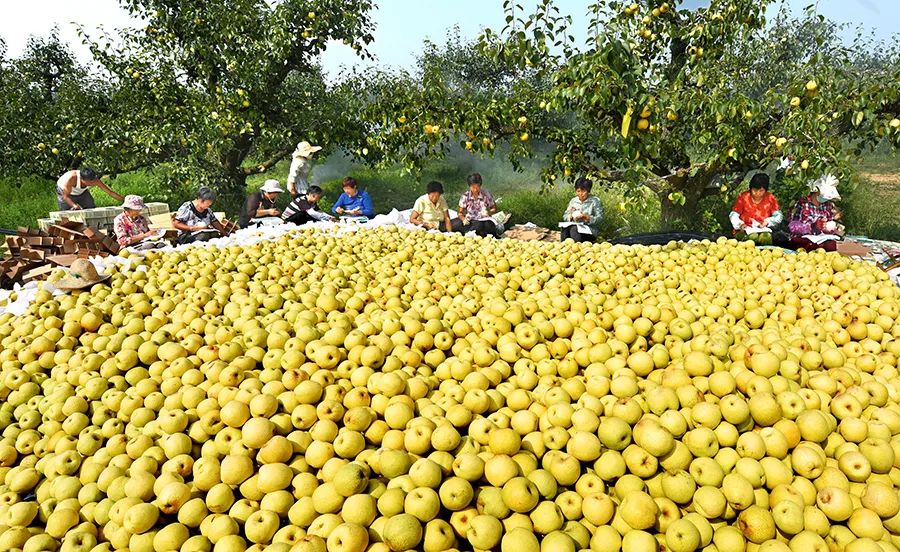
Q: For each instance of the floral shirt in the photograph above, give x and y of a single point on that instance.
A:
(125, 227)
(759, 212)
(590, 207)
(807, 214)
(477, 208)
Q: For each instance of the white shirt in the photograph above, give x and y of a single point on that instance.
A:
(77, 189)
(297, 175)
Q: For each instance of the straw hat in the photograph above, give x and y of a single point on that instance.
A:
(134, 202)
(270, 186)
(82, 274)
(305, 149)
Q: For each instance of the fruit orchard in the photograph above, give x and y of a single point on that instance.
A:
(387, 390)
(390, 390)
(677, 101)
(210, 92)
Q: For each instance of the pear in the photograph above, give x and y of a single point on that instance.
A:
(519, 540)
(403, 532)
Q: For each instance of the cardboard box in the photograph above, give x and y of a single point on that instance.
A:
(163, 220)
(853, 249)
(33, 254)
(157, 208)
(60, 231)
(39, 273)
(62, 260)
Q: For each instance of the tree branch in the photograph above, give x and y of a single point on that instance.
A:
(267, 164)
(142, 165)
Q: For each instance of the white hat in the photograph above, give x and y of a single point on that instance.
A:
(827, 187)
(305, 149)
(271, 185)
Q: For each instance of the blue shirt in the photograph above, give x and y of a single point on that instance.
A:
(360, 201)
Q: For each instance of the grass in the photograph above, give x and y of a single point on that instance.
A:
(872, 208)
(31, 198)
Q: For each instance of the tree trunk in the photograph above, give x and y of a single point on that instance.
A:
(232, 192)
(683, 216)
(233, 189)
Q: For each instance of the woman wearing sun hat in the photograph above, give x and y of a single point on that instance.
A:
(82, 275)
(260, 203)
(130, 226)
(816, 214)
(301, 164)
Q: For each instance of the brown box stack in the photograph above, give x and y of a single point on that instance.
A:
(34, 254)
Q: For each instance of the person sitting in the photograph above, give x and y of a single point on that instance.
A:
(130, 227)
(304, 208)
(583, 214)
(195, 219)
(756, 212)
(353, 202)
(260, 203)
(430, 210)
(73, 190)
(301, 164)
(475, 209)
(816, 214)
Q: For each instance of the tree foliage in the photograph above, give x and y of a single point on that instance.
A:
(52, 111)
(212, 91)
(411, 116)
(661, 97)
(222, 89)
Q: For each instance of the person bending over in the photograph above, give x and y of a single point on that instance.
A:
(304, 208)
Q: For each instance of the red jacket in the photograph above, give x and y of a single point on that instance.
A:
(749, 211)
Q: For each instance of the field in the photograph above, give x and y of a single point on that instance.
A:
(872, 207)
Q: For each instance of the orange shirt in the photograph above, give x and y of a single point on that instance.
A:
(749, 211)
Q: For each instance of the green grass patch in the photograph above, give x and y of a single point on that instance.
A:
(31, 198)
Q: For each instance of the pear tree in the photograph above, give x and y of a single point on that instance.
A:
(675, 101)
(218, 90)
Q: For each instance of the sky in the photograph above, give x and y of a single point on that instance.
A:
(401, 25)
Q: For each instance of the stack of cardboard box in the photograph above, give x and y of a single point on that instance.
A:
(34, 254)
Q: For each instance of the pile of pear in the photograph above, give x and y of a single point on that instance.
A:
(388, 390)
